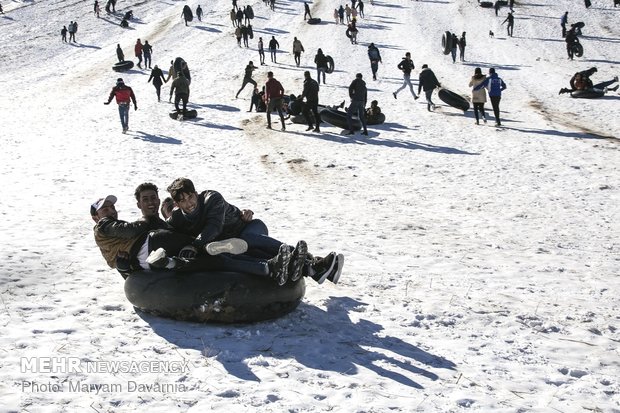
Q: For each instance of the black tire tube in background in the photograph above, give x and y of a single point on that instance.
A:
(330, 64)
(577, 49)
(486, 4)
(453, 99)
(314, 20)
(446, 42)
(189, 114)
(123, 66)
(587, 94)
(338, 118)
(212, 296)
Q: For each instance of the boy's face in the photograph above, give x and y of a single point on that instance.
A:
(148, 203)
(188, 202)
(107, 210)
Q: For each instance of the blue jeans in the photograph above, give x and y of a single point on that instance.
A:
(260, 244)
(356, 108)
(123, 112)
(406, 82)
(320, 70)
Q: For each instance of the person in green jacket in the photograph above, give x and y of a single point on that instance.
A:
(180, 87)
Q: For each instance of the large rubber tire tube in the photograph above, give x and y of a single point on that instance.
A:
(587, 94)
(446, 43)
(330, 64)
(338, 118)
(205, 296)
(314, 20)
(577, 49)
(375, 120)
(123, 66)
(189, 114)
(453, 99)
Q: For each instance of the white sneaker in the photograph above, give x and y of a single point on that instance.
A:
(158, 258)
(228, 246)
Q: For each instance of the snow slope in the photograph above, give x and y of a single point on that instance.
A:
(482, 266)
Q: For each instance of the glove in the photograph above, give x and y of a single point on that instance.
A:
(188, 252)
(106, 103)
(135, 107)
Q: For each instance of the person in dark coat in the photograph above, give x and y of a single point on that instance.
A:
(375, 58)
(428, 81)
(358, 94)
(563, 22)
(321, 65)
(147, 51)
(180, 87)
(247, 78)
(186, 14)
(455, 44)
(511, 23)
(311, 93)
(199, 13)
(157, 76)
(406, 66)
(119, 53)
(307, 11)
(63, 34)
(571, 39)
(462, 44)
(273, 47)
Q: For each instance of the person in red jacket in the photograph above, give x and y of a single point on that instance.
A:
(124, 96)
(138, 50)
(274, 93)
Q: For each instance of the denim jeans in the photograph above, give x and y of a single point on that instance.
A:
(260, 244)
(406, 82)
(123, 112)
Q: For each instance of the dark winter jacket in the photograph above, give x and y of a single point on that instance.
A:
(147, 49)
(311, 90)
(248, 71)
(273, 44)
(427, 80)
(494, 85)
(180, 85)
(406, 65)
(358, 91)
(321, 60)
(157, 76)
(120, 54)
(373, 54)
(215, 219)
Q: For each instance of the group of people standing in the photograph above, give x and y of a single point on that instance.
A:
(72, 30)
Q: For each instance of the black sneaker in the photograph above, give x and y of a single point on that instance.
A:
(278, 265)
(394, 93)
(298, 259)
(334, 275)
(321, 268)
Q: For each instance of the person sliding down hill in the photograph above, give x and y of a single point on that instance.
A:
(581, 81)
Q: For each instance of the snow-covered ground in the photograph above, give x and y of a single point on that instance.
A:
(482, 265)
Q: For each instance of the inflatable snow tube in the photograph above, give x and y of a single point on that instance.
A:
(375, 119)
(577, 49)
(123, 66)
(189, 114)
(330, 64)
(502, 2)
(453, 99)
(212, 296)
(587, 94)
(446, 43)
(299, 120)
(339, 119)
(295, 107)
(314, 20)
(486, 4)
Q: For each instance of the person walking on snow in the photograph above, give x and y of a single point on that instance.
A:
(307, 11)
(462, 44)
(147, 50)
(406, 66)
(494, 85)
(478, 97)
(358, 94)
(321, 65)
(428, 81)
(563, 22)
(119, 53)
(360, 7)
(274, 93)
(375, 58)
(273, 47)
(199, 13)
(311, 93)
(180, 87)
(261, 51)
(124, 96)
(63, 34)
(247, 78)
(138, 52)
(298, 48)
(157, 76)
(511, 23)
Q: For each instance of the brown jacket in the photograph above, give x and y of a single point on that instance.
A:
(114, 236)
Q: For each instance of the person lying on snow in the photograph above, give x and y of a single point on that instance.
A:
(581, 81)
(207, 217)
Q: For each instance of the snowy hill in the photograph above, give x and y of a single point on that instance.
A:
(482, 265)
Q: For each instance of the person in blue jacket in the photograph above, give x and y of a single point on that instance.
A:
(494, 85)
